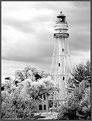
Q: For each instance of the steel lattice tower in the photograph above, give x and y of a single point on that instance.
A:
(61, 57)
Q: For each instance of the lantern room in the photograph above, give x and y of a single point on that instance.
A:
(61, 18)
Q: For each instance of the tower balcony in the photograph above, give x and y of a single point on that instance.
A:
(61, 35)
(61, 26)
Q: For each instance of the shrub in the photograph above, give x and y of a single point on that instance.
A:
(78, 104)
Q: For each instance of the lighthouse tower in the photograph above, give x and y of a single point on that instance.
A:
(61, 57)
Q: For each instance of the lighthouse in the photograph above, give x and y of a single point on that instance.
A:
(61, 58)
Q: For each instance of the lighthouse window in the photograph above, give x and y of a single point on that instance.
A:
(63, 78)
(63, 18)
(59, 64)
(62, 50)
(60, 19)
(44, 97)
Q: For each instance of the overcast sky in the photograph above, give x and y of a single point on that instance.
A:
(27, 31)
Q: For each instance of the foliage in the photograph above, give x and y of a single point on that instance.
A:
(78, 104)
(84, 110)
(15, 106)
(82, 72)
(20, 101)
(29, 73)
(42, 86)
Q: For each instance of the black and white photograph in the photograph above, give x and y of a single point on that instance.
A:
(45, 60)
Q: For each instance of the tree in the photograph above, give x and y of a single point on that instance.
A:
(41, 87)
(84, 111)
(77, 105)
(20, 101)
(29, 73)
(17, 103)
(19, 76)
(82, 72)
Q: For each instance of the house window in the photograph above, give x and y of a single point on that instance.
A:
(40, 107)
(44, 107)
(63, 78)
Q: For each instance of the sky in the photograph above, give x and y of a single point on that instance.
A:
(28, 28)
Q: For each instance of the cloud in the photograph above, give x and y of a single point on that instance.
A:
(27, 29)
